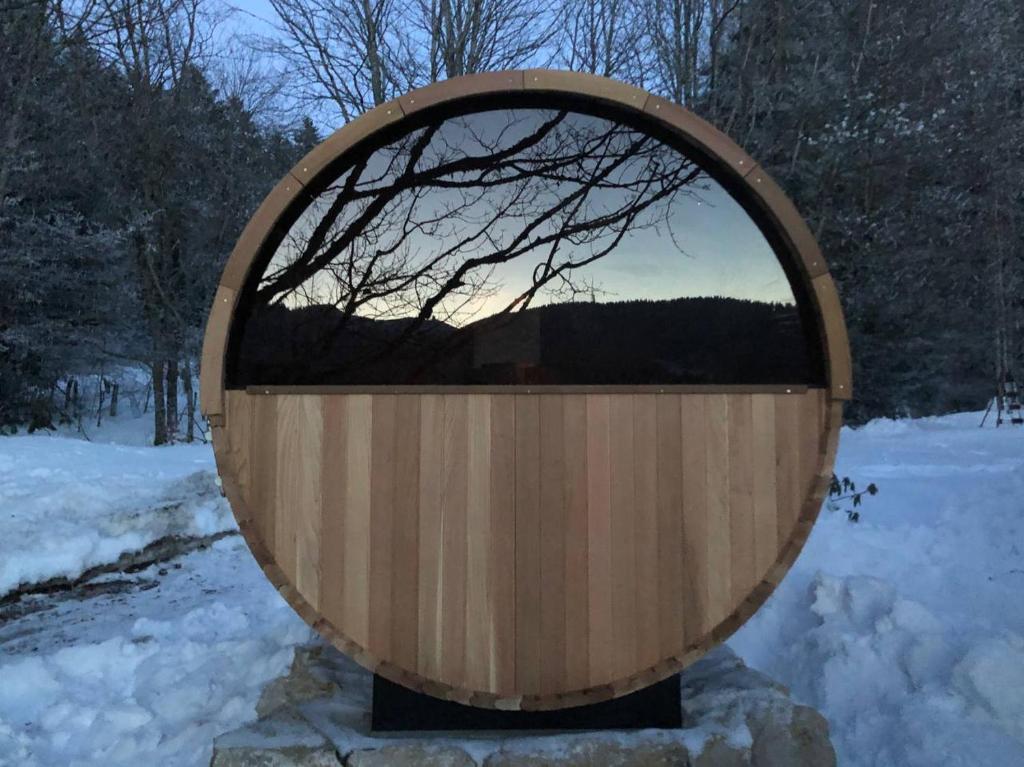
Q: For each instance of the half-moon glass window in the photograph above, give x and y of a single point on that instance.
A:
(531, 243)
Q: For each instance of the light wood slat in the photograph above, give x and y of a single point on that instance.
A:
(332, 513)
(670, 523)
(600, 577)
(645, 519)
(810, 443)
(383, 425)
(577, 622)
(528, 546)
(695, 520)
(454, 499)
(356, 509)
(787, 466)
(299, 446)
(431, 534)
(405, 534)
(764, 500)
(623, 500)
(719, 580)
(552, 544)
(263, 453)
(233, 461)
(503, 545)
(741, 497)
(480, 623)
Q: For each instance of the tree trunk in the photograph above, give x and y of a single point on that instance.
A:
(67, 396)
(190, 401)
(115, 387)
(172, 399)
(159, 405)
(99, 404)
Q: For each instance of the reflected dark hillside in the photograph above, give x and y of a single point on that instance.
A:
(681, 341)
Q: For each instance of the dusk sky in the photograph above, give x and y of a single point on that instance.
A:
(705, 245)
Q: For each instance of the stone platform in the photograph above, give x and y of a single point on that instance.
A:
(319, 716)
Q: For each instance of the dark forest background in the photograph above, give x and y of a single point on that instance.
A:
(137, 136)
(699, 340)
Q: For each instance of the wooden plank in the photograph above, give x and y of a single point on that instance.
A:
(645, 519)
(479, 588)
(574, 420)
(332, 509)
(454, 498)
(263, 455)
(502, 549)
(357, 509)
(623, 499)
(383, 425)
(585, 84)
(211, 365)
(787, 466)
(233, 460)
(741, 498)
(430, 535)
(695, 521)
(803, 244)
(297, 533)
(837, 344)
(670, 523)
(762, 413)
(810, 444)
(405, 534)
(528, 546)
(552, 544)
(719, 587)
(600, 575)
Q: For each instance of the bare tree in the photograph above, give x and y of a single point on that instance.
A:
(246, 75)
(468, 36)
(416, 231)
(684, 41)
(602, 37)
(158, 45)
(341, 55)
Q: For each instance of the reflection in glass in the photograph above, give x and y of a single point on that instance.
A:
(521, 246)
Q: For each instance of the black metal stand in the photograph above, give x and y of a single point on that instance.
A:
(397, 709)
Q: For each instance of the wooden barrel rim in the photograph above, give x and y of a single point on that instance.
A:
(801, 251)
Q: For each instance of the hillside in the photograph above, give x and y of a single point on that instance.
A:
(681, 341)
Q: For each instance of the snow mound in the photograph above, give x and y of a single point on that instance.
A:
(67, 505)
(107, 687)
(907, 629)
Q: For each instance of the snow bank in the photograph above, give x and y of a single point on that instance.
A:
(67, 505)
(907, 629)
(148, 681)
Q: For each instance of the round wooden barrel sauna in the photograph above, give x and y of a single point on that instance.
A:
(525, 388)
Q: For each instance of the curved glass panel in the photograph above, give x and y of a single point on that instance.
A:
(521, 246)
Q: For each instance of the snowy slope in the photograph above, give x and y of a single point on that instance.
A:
(906, 630)
(67, 505)
(148, 673)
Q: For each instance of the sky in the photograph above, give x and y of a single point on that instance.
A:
(715, 249)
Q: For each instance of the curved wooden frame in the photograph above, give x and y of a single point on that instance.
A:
(801, 251)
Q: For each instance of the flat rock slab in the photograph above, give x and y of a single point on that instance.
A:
(319, 715)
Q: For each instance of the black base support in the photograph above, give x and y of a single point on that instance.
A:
(397, 709)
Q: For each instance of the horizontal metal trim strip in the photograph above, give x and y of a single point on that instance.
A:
(548, 389)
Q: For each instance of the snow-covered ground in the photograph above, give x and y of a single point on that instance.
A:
(906, 630)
